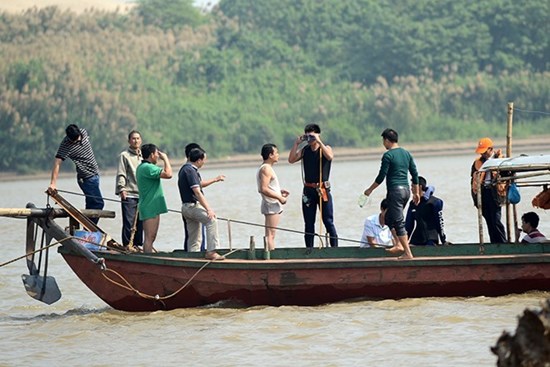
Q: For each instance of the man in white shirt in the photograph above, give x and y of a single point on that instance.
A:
(375, 232)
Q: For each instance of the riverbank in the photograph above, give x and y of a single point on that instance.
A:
(536, 145)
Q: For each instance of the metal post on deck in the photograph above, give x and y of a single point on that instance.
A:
(252, 250)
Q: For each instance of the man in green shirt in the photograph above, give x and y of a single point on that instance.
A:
(396, 164)
(151, 197)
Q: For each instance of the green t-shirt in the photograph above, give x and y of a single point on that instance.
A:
(396, 164)
(151, 196)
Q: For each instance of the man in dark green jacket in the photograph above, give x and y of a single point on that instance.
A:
(397, 163)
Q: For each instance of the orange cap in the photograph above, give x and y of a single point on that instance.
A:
(483, 145)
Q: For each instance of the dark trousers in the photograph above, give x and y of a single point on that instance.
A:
(492, 213)
(94, 199)
(129, 212)
(397, 197)
(310, 202)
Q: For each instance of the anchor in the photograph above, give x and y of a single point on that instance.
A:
(40, 287)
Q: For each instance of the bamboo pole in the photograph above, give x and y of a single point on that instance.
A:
(509, 212)
(229, 235)
(509, 129)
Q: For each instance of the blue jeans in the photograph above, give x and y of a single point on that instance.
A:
(310, 202)
(94, 199)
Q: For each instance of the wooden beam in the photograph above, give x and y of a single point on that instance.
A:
(53, 212)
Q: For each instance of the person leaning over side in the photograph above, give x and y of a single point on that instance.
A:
(127, 190)
(396, 164)
(195, 209)
(204, 183)
(273, 197)
(151, 196)
(490, 207)
(529, 225)
(76, 146)
(316, 160)
(424, 222)
(375, 231)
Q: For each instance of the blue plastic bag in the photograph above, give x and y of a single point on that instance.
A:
(513, 194)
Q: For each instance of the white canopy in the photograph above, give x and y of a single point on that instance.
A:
(521, 163)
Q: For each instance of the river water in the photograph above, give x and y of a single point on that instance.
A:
(80, 330)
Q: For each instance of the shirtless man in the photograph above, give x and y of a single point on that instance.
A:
(273, 198)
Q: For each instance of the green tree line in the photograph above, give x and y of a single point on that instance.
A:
(256, 71)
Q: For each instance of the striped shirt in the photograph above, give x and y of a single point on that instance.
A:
(534, 237)
(81, 154)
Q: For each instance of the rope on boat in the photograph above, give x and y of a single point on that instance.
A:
(34, 252)
(60, 242)
(156, 297)
(531, 111)
(229, 220)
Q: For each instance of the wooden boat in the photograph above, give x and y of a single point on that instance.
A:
(286, 276)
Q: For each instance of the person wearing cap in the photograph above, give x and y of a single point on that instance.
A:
(76, 146)
(490, 206)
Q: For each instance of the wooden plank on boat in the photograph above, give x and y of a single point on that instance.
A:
(53, 212)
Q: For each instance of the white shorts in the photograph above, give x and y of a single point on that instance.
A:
(271, 208)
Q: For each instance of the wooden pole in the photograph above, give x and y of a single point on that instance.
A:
(509, 214)
(229, 234)
(509, 129)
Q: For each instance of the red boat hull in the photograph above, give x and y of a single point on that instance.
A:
(303, 282)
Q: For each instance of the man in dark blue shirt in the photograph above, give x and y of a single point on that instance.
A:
(195, 208)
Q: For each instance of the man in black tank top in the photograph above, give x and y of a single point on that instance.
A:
(316, 160)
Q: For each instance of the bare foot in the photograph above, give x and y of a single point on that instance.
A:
(395, 250)
(214, 256)
(405, 257)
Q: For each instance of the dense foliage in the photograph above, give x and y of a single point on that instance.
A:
(256, 71)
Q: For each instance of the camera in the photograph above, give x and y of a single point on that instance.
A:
(309, 138)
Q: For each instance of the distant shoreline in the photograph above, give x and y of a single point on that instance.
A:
(539, 144)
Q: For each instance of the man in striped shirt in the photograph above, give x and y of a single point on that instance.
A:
(529, 224)
(76, 146)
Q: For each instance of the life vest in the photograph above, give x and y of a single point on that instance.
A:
(542, 200)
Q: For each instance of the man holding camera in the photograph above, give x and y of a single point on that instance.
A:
(316, 160)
